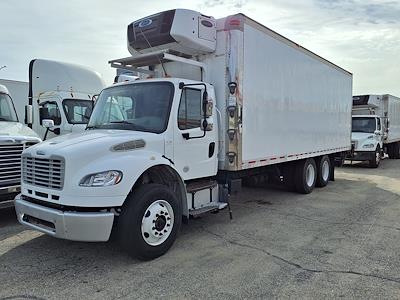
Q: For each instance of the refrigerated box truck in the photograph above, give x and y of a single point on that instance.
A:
(219, 101)
(375, 128)
(57, 91)
(14, 138)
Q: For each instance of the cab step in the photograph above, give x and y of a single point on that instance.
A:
(199, 185)
(209, 208)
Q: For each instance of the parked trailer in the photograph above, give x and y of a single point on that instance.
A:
(14, 138)
(225, 99)
(375, 128)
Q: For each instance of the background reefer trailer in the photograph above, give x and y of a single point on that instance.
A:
(386, 134)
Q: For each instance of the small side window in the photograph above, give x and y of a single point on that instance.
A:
(190, 111)
(378, 124)
(53, 112)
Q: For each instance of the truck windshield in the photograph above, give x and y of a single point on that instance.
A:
(7, 111)
(367, 125)
(77, 111)
(139, 106)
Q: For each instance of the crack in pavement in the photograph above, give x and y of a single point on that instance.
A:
(296, 265)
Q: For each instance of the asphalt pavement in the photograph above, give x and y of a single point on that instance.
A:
(342, 241)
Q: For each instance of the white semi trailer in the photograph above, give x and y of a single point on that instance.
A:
(220, 100)
(14, 138)
(57, 91)
(375, 128)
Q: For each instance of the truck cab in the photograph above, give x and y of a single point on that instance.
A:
(62, 93)
(14, 138)
(367, 138)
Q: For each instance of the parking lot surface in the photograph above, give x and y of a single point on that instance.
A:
(342, 241)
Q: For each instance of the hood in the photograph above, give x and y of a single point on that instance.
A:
(16, 130)
(359, 136)
(94, 142)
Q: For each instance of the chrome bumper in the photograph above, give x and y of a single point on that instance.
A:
(75, 226)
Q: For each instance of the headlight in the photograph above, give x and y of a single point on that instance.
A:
(105, 178)
(368, 146)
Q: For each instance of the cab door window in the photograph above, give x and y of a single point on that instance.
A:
(189, 113)
(378, 124)
(53, 112)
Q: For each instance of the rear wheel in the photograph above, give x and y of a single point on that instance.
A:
(324, 171)
(305, 176)
(149, 221)
(376, 160)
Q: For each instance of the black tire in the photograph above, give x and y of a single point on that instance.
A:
(129, 226)
(301, 183)
(376, 160)
(324, 171)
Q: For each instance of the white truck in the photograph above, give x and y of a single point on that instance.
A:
(14, 138)
(57, 91)
(375, 128)
(224, 100)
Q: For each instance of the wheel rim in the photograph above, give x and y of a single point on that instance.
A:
(157, 222)
(377, 157)
(310, 175)
(325, 170)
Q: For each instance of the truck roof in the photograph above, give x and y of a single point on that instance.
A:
(229, 24)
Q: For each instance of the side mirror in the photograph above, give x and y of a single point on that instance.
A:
(48, 123)
(207, 125)
(28, 114)
(207, 105)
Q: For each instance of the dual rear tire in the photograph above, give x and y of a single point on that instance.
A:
(310, 173)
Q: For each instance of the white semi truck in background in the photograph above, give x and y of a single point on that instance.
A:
(219, 101)
(375, 128)
(14, 138)
(57, 91)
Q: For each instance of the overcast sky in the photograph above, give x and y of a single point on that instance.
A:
(360, 36)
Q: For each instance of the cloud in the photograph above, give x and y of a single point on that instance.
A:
(361, 36)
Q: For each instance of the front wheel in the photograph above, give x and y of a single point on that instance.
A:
(376, 160)
(149, 222)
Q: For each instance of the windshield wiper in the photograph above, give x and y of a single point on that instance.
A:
(85, 116)
(4, 119)
(121, 122)
(138, 127)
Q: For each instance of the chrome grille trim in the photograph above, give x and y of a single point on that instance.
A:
(10, 163)
(43, 172)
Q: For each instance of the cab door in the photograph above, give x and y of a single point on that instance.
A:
(195, 150)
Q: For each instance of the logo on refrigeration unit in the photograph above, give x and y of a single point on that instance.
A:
(145, 22)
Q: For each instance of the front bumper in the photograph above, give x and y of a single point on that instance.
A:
(362, 155)
(75, 226)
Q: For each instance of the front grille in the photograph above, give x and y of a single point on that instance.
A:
(43, 172)
(10, 163)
